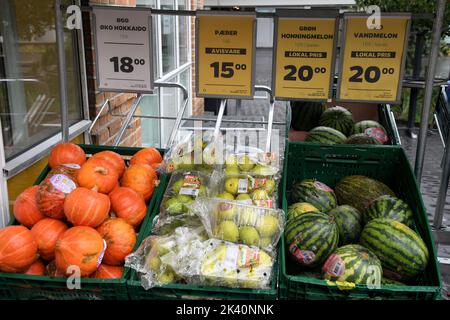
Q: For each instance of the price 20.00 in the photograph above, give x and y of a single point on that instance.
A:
(370, 74)
(303, 73)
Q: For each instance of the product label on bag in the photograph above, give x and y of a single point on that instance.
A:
(243, 186)
(72, 165)
(264, 203)
(248, 257)
(63, 183)
(102, 254)
(191, 186)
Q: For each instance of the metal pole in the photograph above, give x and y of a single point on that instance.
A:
(127, 120)
(62, 71)
(417, 65)
(442, 194)
(223, 104)
(421, 144)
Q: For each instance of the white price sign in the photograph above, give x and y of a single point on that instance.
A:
(123, 49)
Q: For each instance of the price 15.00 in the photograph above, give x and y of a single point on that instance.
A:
(303, 73)
(226, 69)
(370, 74)
(126, 64)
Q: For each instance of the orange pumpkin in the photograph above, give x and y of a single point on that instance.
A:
(36, 269)
(18, 249)
(51, 195)
(79, 246)
(98, 175)
(128, 205)
(146, 156)
(66, 153)
(108, 272)
(25, 208)
(157, 166)
(141, 178)
(120, 239)
(46, 232)
(114, 159)
(84, 207)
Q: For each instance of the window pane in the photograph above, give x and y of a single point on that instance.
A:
(29, 94)
(183, 34)
(168, 38)
(150, 127)
(169, 107)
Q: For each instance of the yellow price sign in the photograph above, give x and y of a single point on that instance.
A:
(373, 60)
(304, 55)
(225, 54)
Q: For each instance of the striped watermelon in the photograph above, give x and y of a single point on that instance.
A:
(316, 193)
(338, 118)
(360, 191)
(361, 138)
(353, 263)
(349, 223)
(311, 238)
(402, 252)
(372, 129)
(300, 208)
(325, 135)
(306, 114)
(389, 207)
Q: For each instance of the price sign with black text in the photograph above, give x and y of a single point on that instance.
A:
(372, 60)
(304, 46)
(225, 54)
(123, 49)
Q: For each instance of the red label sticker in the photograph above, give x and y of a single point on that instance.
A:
(334, 266)
(322, 186)
(378, 134)
(305, 257)
(264, 203)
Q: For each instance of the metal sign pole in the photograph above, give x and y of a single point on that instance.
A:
(432, 61)
(59, 27)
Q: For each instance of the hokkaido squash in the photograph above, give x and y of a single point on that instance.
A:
(84, 207)
(128, 205)
(108, 272)
(36, 269)
(66, 153)
(46, 232)
(98, 175)
(18, 249)
(141, 178)
(51, 195)
(79, 246)
(114, 159)
(146, 156)
(25, 208)
(120, 239)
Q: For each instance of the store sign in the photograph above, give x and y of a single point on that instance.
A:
(372, 63)
(304, 46)
(123, 49)
(225, 54)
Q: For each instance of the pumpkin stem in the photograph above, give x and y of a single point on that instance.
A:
(101, 170)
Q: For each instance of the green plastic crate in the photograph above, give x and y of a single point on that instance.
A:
(19, 286)
(193, 292)
(329, 164)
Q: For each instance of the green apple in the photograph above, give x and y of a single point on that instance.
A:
(227, 230)
(267, 225)
(227, 211)
(248, 217)
(265, 242)
(225, 195)
(184, 198)
(249, 236)
(154, 263)
(244, 198)
(262, 170)
(165, 277)
(246, 164)
(177, 186)
(202, 192)
(173, 206)
(232, 185)
(260, 194)
(231, 170)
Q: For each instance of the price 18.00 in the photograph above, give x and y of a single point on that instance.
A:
(126, 64)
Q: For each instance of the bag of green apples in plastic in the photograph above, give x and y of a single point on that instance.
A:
(186, 257)
(155, 256)
(240, 223)
(182, 190)
(191, 150)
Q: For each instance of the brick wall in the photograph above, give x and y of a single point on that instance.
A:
(107, 126)
(197, 103)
